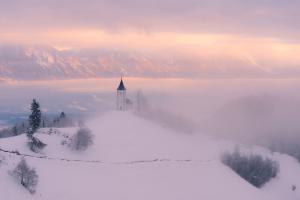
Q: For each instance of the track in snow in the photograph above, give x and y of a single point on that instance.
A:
(16, 153)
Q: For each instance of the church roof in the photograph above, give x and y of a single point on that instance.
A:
(121, 86)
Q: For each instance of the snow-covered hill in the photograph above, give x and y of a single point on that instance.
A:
(133, 158)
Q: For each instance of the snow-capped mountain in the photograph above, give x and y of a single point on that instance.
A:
(40, 62)
(43, 62)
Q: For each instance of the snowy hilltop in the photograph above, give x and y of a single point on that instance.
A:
(133, 158)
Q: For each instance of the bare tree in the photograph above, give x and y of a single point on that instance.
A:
(35, 144)
(27, 176)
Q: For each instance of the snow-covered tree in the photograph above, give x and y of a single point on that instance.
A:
(35, 119)
(62, 115)
(35, 116)
(63, 121)
(15, 130)
(81, 140)
(253, 168)
(35, 144)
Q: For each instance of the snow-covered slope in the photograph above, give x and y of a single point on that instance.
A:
(133, 158)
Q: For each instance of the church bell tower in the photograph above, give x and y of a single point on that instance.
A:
(121, 96)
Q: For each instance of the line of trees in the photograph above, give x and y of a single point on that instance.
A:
(40, 120)
(253, 168)
(23, 173)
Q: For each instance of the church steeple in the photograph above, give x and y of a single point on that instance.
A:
(121, 85)
(121, 96)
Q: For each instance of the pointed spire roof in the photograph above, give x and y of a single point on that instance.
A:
(121, 85)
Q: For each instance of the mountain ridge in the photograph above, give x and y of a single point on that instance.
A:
(19, 62)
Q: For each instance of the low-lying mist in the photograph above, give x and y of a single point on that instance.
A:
(257, 111)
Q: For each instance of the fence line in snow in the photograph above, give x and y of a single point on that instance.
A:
(17, 153)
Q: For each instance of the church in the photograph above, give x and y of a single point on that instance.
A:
(121, 96)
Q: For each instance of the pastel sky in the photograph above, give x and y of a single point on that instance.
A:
(264, 30)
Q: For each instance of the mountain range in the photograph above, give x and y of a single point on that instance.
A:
(44, 62)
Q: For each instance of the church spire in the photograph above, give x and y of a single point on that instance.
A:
(121, 85)
(121, 96)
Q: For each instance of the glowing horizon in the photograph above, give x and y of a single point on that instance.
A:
(263, 34)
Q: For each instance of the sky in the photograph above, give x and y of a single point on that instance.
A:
(262, 31)
(265, 33)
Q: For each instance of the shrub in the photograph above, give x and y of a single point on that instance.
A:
(253, 168)
(81, 140)
(35, 144)
(27, 176)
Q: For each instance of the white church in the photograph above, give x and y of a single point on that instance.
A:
(121, 96)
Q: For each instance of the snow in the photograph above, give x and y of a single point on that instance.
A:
(289, 175)
(135, 159)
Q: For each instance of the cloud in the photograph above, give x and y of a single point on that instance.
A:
(97, 98)
(75, 105)
(261, 32)
(274, 18)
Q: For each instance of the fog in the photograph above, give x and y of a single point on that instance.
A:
(250, 110)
